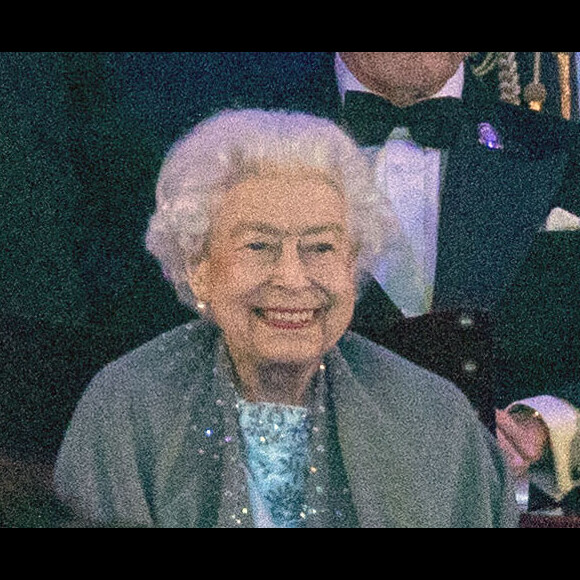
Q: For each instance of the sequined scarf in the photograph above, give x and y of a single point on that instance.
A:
(327, 502)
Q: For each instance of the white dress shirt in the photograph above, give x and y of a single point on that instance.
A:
(409, 177)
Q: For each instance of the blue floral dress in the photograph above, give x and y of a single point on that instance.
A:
(276, 439)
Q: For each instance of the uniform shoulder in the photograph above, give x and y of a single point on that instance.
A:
(536, 132)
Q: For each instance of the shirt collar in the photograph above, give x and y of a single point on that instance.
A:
(348, 82)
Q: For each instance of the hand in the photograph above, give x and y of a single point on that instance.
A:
(523, 437)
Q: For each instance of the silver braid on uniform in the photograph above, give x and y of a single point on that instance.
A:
(488, 64)
(509, 78)
(510, 89)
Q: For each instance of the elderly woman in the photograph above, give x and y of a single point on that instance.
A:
(267, 412)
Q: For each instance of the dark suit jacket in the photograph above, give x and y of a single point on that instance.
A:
(84, 136)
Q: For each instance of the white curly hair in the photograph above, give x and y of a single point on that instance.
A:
(233, 146)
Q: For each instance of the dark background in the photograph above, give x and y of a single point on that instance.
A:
(82, 138)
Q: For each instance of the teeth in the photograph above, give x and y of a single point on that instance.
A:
(301, 317)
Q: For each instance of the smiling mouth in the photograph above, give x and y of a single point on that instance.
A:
(287, 319)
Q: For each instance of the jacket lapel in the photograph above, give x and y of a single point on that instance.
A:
(375, 313)
(493, 203)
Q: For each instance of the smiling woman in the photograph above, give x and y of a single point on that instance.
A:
(268, 412)
(281, 289)
(263, 228)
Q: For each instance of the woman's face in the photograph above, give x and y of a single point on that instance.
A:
(280, 277)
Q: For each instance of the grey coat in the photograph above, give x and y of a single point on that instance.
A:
(154, 442)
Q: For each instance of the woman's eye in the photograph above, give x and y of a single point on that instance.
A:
(257, 246)
(321, 248)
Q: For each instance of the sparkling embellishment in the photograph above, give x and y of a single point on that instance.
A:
(489, 137)
(209, 433)
(276, 438)
(295, 493)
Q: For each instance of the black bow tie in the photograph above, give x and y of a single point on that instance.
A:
(435, 123)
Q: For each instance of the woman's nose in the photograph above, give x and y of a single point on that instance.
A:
(290, 271)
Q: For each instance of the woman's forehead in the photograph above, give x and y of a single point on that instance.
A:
(267, 229)
(281, 203)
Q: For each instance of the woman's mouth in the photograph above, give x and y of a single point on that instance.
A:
(287, 319)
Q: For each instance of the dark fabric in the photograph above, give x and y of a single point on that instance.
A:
(44, 369)
(371, 119)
